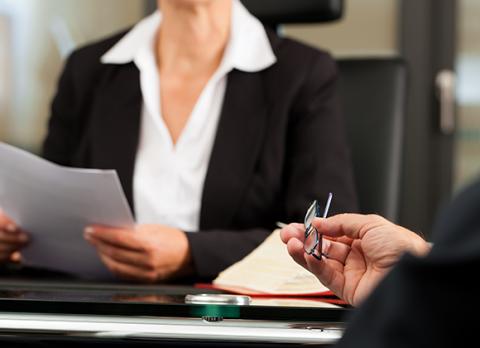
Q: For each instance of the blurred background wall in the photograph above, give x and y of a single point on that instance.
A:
(369, 27)
(35, 37)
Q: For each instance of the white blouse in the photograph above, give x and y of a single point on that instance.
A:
(168, 178)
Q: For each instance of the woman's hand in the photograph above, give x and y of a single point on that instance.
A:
(149, 253)
(359, 249)
(12, 239)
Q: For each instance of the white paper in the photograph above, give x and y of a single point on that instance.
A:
(54, 204)
(270, 269)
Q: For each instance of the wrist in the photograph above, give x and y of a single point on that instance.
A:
(186, 261)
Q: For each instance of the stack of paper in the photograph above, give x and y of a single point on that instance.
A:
(54, 204)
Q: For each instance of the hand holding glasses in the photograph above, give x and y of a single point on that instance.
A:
(313, 240)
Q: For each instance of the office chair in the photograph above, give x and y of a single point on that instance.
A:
(276, 12)
(373, 96)
(373, 93)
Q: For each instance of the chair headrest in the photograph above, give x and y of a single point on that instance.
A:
(275, 12)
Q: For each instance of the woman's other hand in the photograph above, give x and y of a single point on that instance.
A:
(12, 239)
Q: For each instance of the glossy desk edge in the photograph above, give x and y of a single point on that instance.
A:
(179, 322)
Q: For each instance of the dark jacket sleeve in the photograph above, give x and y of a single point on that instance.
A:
(431, 301)
(71, 106)
(62, 135)
(317, 161)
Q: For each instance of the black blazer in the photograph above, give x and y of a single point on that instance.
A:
(431, 301)
(280, 143)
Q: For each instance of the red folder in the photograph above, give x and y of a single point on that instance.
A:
(324, 296)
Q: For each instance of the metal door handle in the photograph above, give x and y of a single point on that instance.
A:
(445, 85)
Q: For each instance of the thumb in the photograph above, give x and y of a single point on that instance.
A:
(353, 226)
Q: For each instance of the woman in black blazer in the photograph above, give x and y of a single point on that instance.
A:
(278, 142)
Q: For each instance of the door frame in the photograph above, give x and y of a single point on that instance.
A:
(428, 43)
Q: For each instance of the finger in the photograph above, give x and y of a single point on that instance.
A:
(7, 224)
(7, 249)
(16, 257)
(120, 238)
(4, 257)
(18, 239)
(344, 240)
(335, 250)
(121, 255)
(329, 272)
(128, 272)
(293, 230)
(353, 226)
(10, 246)
(295, 249)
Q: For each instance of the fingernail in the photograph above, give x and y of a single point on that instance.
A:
(88, 233)
(16, 257)
(11, 228)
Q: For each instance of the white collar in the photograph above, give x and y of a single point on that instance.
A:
(248, 48)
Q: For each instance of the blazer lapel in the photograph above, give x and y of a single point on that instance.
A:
(117, 124)
(237, 144)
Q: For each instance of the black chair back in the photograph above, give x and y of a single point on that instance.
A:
(275, 12)
(373, 99)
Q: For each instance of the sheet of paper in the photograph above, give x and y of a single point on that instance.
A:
(54, 204)
(269, 269)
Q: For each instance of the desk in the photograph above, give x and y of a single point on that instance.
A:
(35, 312)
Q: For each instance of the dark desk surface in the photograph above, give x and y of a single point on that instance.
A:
(65, 309)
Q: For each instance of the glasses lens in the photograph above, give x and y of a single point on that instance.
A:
(311, 240)
(311, 213)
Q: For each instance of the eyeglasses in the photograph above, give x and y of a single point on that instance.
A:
(313, 240)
